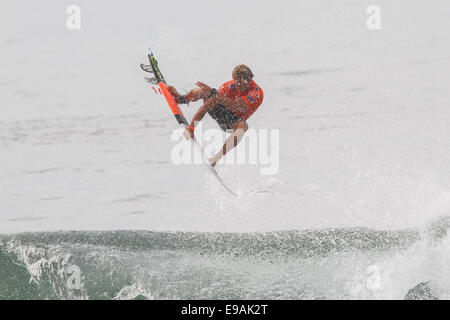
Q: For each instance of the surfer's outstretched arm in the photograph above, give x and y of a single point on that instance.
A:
(192, 96)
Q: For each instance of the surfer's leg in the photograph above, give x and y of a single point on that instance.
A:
(206, 107)
(239, 128)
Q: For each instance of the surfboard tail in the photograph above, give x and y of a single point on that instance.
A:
(158, 78)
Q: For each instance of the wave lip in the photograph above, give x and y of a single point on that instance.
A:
(301, 243)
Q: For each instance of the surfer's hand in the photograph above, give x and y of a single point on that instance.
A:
(205, 89)
(195, 94)
(189, 133)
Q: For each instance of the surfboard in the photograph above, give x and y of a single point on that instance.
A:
(158, 79)
(213, 170)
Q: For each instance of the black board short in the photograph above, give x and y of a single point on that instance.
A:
(224, 117)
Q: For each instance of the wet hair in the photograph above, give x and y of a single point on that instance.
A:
(242, 71)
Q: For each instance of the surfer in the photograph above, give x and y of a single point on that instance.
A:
(230, 105)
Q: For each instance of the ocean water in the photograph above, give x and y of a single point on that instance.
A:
(87, 180)
(327, 264)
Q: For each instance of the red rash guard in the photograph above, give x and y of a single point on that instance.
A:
(253, 97)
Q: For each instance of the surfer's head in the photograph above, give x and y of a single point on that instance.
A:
(242, 77)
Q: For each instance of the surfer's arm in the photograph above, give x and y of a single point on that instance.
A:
(192, 96)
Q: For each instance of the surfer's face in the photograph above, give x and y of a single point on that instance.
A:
(243, 84)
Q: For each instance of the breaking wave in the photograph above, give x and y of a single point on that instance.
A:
(317, 264)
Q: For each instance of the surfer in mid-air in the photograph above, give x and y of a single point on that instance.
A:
(230, 105)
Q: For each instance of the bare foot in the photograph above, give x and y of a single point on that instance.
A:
(213, 162)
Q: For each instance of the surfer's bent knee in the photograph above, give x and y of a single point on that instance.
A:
(242, 124)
